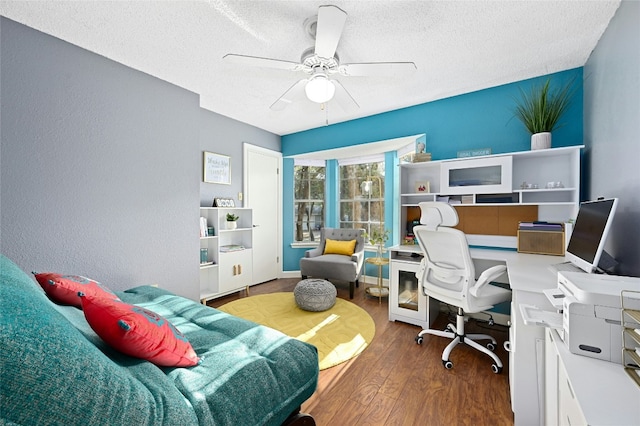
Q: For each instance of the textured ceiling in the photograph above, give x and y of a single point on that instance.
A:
(458, 47)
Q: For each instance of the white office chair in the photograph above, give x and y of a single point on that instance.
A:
(447, 274)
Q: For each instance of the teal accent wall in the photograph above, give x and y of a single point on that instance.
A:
(482, 119)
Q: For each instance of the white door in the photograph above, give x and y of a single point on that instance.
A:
(262, 194)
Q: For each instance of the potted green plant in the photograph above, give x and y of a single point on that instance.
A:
(541, 109)
(232, 221)
(378, 238)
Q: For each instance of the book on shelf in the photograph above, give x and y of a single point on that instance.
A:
(540, 226)
(467, 199)
(203, 227)
(231, 247)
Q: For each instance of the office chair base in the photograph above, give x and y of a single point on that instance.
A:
(458, 336)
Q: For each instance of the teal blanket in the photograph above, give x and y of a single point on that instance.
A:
(55, 370)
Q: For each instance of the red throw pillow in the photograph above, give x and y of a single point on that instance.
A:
(64, 288)
(138, 332)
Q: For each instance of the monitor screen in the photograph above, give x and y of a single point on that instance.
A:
(590, 233)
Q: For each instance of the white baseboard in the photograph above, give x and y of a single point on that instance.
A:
(290, 274)
(371, 280)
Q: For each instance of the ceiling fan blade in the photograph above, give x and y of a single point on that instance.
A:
(255, 61)
(383, 69)
(293, 94)
(331, 21)
(343, 98)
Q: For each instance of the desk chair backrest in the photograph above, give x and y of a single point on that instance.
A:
(446, 272)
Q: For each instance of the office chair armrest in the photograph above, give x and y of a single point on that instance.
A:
(486, 277)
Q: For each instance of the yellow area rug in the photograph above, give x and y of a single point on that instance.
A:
(339, 333)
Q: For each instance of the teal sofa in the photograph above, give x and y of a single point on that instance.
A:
(56, 371)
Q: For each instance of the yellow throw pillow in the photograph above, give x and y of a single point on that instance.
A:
(339, 247)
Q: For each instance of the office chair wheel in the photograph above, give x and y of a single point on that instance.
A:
(491, 347)
(447, 364)
(419, 340)
(496, 369)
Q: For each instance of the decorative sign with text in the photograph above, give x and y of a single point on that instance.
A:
(474, 152)
(217, 168)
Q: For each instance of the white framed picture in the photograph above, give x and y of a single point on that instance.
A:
(423, 186)
(217, 168)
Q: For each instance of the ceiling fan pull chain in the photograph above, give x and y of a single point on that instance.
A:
(325, 106)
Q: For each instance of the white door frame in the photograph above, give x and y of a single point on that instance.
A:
(246, 148)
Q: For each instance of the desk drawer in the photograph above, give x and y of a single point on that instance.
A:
(569, 412)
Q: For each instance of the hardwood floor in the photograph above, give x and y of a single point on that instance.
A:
(397, 382)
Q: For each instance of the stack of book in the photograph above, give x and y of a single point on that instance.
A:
(231, 247)
(540, 226)
(467, 199)
(421, 157)
(541, 238)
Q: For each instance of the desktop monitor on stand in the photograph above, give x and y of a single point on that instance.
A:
(586, 246)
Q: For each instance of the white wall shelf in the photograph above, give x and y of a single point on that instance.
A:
(230, 271)
(542, 168)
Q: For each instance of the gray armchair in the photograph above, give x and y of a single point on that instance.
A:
(335, 266)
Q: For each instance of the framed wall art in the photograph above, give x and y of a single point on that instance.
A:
(217, 168)
(423, 186)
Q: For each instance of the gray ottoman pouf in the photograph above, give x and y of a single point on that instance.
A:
(315, 295)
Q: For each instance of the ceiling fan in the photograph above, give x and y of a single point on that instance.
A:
(321, 62)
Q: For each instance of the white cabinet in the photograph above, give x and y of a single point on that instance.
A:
(229, 265)
(569, 412)
(550, 380)
(235, 270)
(526, 360)
(561, 405)
(407, 302)
(582, 390)
(476, 176)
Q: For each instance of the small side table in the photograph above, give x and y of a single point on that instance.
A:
(378, 290)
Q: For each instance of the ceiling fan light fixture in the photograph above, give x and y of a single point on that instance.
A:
(320, 89)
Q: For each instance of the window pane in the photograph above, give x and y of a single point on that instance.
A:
(362, 196)
(309, 202)
(377, 211)
(316, 190)
(346, 211)
(362, 211)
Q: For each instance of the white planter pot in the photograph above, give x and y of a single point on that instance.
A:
(541, 140)
(232, 224)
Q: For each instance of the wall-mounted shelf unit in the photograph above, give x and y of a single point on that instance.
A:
(229, 265)
(547, 181)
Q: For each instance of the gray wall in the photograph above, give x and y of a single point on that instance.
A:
(101, 165)
(223, 135)
(612, 131)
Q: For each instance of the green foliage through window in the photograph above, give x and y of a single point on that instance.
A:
(362, 196)
(308, 202)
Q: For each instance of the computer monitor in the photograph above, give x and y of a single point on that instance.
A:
(590, 233)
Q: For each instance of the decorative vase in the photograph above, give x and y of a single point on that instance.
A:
(541, 140)
(232, 224)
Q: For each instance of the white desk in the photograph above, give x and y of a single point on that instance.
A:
(606, 395)
(529, 274)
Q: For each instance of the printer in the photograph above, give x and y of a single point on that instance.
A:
(591, 312)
